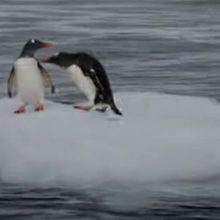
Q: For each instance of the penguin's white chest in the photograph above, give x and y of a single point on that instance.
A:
(83, 82)
(29, 81)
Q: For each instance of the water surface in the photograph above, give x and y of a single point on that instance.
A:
(167, 46)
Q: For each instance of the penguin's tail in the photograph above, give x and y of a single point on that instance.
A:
(115, 108)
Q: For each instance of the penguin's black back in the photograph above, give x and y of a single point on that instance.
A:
(96, 71)
(92, 68)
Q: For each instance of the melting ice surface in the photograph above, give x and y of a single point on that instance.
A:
(160, 137)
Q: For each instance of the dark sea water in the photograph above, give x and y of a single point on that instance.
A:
(167, 46)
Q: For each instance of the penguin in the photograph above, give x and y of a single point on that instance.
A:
(89, 76)
(28, 76)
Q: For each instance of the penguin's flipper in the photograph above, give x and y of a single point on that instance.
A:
(47, 79)
(99, 98)
(11, 82)
(94, 77)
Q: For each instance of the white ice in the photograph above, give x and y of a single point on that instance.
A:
(160, 137)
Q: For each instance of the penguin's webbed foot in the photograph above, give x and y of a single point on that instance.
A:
(97, 107)
(100, 107)
(20, 110)
(39, 107)
(83, 107)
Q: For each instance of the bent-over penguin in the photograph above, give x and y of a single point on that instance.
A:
(89, 76)
(28, 77)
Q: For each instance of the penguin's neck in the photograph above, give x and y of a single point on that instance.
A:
(27, 53)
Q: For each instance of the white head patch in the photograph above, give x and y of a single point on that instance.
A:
(92, 70)
(56, 54)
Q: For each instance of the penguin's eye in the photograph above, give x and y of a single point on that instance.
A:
(32, 41)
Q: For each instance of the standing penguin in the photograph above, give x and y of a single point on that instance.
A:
(28, 76)
(90, 77)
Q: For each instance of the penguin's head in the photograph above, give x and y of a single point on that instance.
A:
(33, 45)
(61, 59)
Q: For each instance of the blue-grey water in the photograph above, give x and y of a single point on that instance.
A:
(168, 46)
